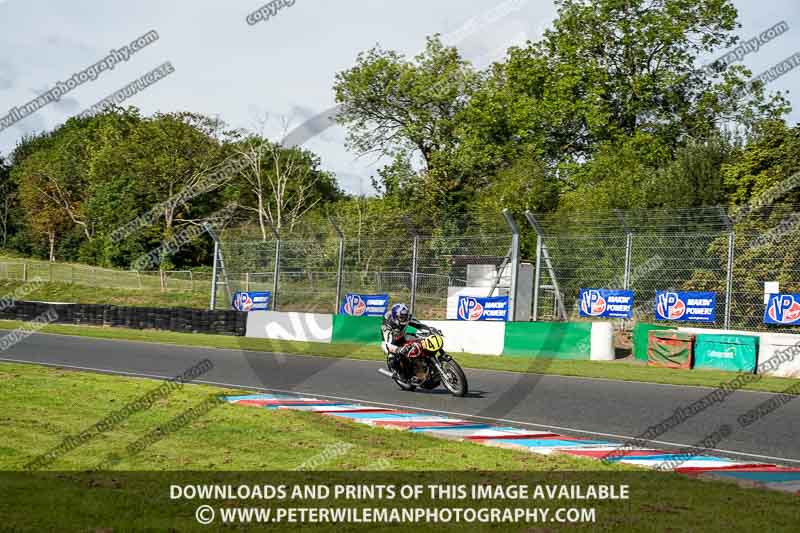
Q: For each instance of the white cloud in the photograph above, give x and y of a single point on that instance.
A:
(284, 67)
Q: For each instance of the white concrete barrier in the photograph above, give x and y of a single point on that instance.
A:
(485, 338)
(707, 331)
(309, 327)
(784, 346)
(602, 342)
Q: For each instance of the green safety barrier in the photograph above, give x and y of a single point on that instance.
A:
(548, 339)
(356, 329)
(737, 353)
(640, 334)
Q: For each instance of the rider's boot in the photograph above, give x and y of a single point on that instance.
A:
(393, 359)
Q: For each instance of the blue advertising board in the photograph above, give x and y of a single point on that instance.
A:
(364, 304)
(606, 303)
(252, 301)
(494, 308)
(783, 309)
(686, 306)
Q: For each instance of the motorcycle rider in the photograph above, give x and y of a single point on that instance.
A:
(395, 339)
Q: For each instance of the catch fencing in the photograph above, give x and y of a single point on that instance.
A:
(26, 270)
(711, 249)
(411, 265)
(730, 253)
(701, 249)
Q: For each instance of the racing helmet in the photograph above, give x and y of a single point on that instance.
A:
(400, 314)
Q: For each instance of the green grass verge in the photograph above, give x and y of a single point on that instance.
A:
(84, 294)
(41, 406)
(623, 370)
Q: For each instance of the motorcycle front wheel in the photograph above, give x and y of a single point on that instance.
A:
(453, 378)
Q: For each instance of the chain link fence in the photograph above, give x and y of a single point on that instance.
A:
(415, 265)
(701, 249)
(106, 278)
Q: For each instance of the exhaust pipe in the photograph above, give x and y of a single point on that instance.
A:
(385, 373)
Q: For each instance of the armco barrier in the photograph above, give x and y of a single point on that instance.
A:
(302, 327)
(548, 339)
(169, 319)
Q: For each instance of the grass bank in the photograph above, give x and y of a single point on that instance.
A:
(235, 444)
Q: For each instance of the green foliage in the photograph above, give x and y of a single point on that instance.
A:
(86, 179)
(771, 158)
(608, 110)
(405, 108)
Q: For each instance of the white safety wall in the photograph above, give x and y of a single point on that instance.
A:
(485, 338)
(309, 327)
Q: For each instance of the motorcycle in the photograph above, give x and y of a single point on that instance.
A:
(427, 365)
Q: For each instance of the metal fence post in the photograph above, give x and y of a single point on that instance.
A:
(414, 262)
(514, 261)
(414, 266)
(729, 280)
(537, 279)
(626, 281)
(339, 266)
(726, 220)
(543, 256)
(214, 276)
(626, 273)
(276, 274)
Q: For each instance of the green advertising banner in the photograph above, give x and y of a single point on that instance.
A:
(736, 353)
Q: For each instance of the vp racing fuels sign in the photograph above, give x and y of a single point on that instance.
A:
(475, 308)
(686, 306)
(364, 305)
(252, 301)
(606, 303)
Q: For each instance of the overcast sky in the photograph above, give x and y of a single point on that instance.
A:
(283, 67)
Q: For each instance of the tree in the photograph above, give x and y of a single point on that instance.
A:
(526, 185)
(8, 199)
(45, 217)
(607, 70)
(767, 166)
(171, 153)
(280, 185)
(408, 109)
(642, 55)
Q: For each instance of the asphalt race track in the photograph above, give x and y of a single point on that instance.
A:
(573, 406)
